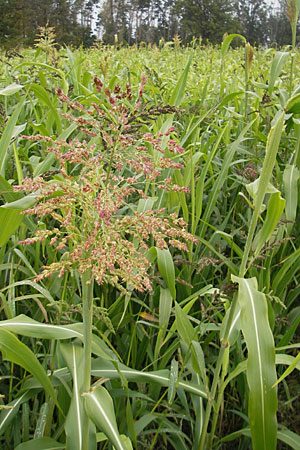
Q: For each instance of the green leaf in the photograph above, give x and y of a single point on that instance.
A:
(178, 178)
(200, 183)
(290, 438)
(73, 355)
(100, 409)
(190, 168)
(290, 183)
(293, 104)
(29, 327)
(165, 307)
(287, 436)
(184, 326)
(274, 212)
(44, 443)
(284, 276)
(235, 326)
(7, 415)
(6, 190)
(106, 369)
(222, 177)
(289, 370)
(7, 135)
(272, 146)
(47, 162)
(173, 381)
(227, 41)
(146, 204)
(44, 97)
(11, 89)
(15, 351)
(261, 372)
(10, 220)
(178, 92)
(252, 188)
(166, 269)
(277, 65)
(22, 203)
(11, 217)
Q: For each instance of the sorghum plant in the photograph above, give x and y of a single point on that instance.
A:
(91, 202)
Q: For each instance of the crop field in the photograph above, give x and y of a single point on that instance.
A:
(150, 247)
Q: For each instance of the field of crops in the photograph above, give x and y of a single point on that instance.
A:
(150, 248)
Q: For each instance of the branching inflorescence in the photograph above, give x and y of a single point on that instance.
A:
(92, 201)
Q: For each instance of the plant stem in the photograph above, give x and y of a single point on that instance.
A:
(292, 58)
(211, 398)
(87, 284)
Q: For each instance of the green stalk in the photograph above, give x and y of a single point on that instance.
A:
(211, 397)
(87, 284)
(294, 30)
(248, 62)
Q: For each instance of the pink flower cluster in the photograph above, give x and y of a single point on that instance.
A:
(92, 212)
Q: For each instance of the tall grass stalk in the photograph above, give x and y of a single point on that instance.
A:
(87, 286)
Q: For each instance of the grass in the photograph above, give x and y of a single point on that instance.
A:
(208, 140)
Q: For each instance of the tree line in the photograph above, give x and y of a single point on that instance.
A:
(79, 22)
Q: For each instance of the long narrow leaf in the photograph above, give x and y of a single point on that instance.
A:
(106, 369)
(261, 373)
(28, 327)
(8, 133)
(15, 351)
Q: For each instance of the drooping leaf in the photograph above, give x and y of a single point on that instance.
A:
(28, 327)
(107, 369)
(227, 41)
(15, 351)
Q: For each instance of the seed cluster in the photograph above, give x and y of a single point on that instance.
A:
(95, 217)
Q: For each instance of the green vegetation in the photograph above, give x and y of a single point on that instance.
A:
(149, 247)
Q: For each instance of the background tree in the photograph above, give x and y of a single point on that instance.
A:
(253, 18)
(209, 19)
(20, 19)
(135, 21)
(279, 26)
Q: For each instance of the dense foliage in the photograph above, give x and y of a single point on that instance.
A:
(149, 247)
